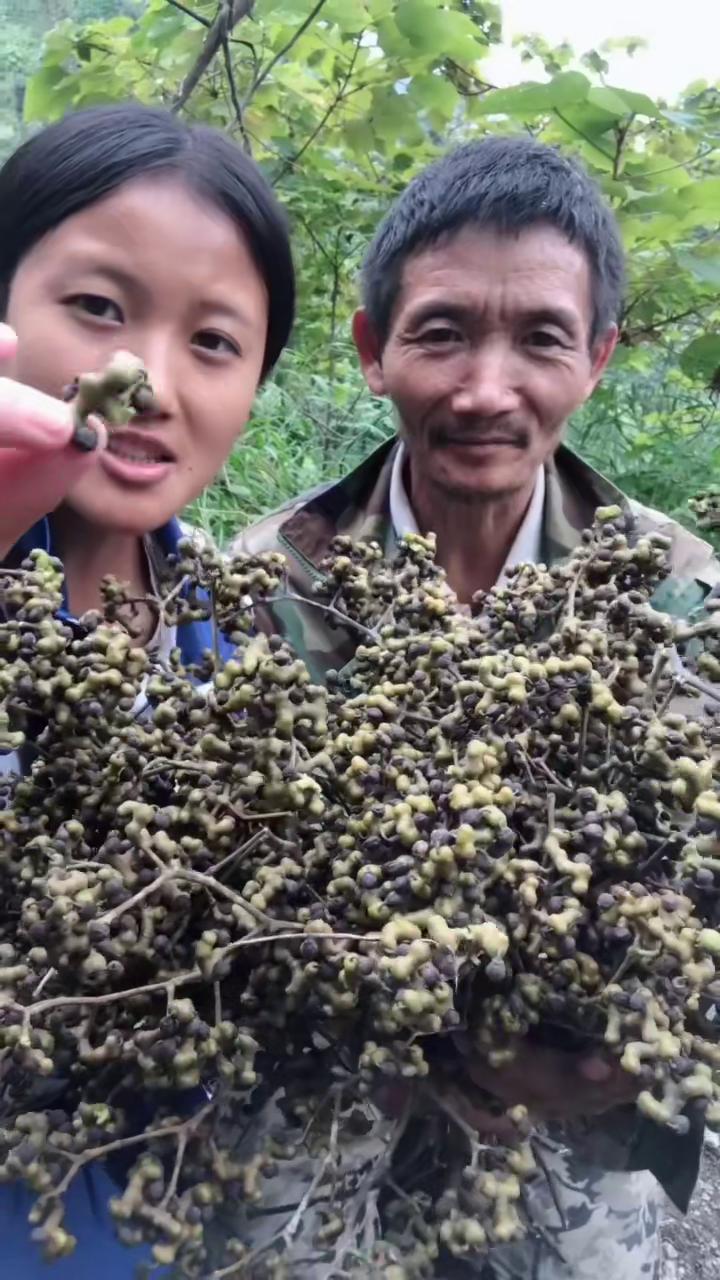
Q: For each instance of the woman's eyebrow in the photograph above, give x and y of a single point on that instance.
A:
(231, 311)
(95, 267)
(131, 283)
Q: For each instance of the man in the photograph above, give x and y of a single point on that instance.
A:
(491, 297)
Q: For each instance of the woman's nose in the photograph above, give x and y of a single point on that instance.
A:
(159, 359)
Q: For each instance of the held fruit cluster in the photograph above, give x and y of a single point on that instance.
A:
(243, 917)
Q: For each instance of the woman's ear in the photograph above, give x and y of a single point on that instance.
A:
(370, 352)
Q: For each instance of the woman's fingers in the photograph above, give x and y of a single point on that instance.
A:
(8, 344)
(31, 420)
(39, 466)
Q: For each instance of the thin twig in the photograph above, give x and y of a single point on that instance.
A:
(47, 977)
(207, 882)
(234, 96)
(339, 96)
(262, 76)
(583, 744)
(121, 1144)
(342, 618)
(245, 848)
(198, 17)
(291, 1228)
(534, 1144)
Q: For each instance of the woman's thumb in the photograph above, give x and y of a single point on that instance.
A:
(33, 483)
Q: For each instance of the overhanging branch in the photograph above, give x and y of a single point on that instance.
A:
(229, 14)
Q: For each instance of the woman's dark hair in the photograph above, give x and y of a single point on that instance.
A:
(500, 184)
(87, 155)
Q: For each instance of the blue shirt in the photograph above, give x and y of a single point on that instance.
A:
(98, 1255)
(192, 637)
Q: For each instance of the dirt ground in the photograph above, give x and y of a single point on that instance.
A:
(691, 1245)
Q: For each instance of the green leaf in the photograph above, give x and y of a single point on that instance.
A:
(640, 103)
(701, 359)
(432, 29)
(706, 269)
(609, 100)
(391, 40)
(350, 15)
(566, 89)
(521, 100)
(569, 88)
(359, 136)
(705, 195)
(435, 94)
(394, 117)
(42, 99)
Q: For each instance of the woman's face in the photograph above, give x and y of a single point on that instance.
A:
(157, 270)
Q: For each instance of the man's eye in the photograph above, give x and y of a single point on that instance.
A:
(544, 338)
(217, 343)
(94, 304)
(440, 336)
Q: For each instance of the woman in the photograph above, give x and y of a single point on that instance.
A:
(123, 228)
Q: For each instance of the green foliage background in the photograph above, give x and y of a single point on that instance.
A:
(342, 101)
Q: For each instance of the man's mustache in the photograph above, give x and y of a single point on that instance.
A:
(443, 435)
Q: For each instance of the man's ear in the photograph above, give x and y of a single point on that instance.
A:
(369, 351)
(602, 351)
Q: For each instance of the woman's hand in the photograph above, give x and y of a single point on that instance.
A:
(38, 464)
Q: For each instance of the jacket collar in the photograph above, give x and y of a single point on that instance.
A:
(359, 507)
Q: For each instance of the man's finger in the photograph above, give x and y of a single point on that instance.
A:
(596, 1070)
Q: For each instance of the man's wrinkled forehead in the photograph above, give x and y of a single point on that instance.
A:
(536, 274)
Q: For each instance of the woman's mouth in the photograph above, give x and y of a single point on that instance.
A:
(136, 457)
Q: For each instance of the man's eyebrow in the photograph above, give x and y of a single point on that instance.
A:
(561, 317)
(437, 309)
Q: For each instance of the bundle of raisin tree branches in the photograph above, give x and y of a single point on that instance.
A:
(234, 904)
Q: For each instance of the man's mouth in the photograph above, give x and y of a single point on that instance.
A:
(479, 442)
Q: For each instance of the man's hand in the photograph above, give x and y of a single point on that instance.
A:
(553, 1084)
(38, 464)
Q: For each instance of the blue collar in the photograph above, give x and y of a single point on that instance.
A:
(192, 637)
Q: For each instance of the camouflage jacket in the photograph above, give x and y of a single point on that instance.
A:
(359, 506)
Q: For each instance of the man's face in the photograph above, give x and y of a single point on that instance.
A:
(488, 354)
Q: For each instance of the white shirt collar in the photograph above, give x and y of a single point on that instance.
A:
(527, 547)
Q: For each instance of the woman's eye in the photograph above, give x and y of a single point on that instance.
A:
(217, 343)
(94, 304)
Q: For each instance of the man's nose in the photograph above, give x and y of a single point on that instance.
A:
(488, 386)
